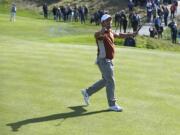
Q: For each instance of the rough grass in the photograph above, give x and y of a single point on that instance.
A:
(151, 43)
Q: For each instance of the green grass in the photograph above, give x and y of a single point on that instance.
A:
(44, 30)
(82, 39)
(41, 78)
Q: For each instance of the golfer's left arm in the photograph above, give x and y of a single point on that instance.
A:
(124, 35)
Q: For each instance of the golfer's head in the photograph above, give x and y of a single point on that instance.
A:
(106, 21)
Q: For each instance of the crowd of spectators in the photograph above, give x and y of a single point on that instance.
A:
(158, 15)
(161, 16)
(67, 13)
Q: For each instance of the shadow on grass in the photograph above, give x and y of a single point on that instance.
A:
(78, 111)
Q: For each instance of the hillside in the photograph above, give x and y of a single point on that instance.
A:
(111, 5)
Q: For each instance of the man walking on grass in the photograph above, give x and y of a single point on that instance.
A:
(106, 50)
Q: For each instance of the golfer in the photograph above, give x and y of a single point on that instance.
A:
(106, 50)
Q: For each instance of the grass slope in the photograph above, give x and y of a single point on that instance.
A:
(37, 29)
(46, 30)
(40, 85)
(93, 5)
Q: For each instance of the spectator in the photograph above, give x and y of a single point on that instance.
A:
(82, 14)
(13, 13)
(154, 13)
(166, 2)
(58, 14)
(54, 11)
(157, 2)
(130, 41)
(160, 12)
(121, 20)
(142, 2)
(174, 33)
(135, 2)
(176, 4)
(63, 13)
(160, 31)
(45, 10)
(149, 8)
(173, 9)
(124, 21)
(76, 14)
(86, 12)
(157, 23)
(135, 21)
(69, 13)
(152, 32)
(166, 14)
(117, 18)
(130, 5)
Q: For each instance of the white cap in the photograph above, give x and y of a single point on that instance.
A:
(105, 17)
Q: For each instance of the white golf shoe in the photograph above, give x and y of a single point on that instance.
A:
(116, 108)
(85, 96)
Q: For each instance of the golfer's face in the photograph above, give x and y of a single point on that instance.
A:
(107, 23)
